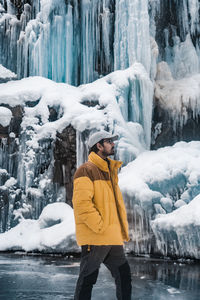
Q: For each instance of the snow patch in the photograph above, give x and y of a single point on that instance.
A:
(5, 116)
(54, 231)
(5, 73)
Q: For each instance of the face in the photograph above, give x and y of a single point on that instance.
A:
(107, 148)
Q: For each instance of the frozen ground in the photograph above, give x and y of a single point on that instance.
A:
(53, 277)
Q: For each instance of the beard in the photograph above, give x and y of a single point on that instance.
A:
(107, 153)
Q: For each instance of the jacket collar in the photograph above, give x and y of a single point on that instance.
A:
(102, 164)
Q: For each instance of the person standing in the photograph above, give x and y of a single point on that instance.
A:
(101, 220)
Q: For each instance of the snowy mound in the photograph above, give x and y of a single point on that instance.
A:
(5, 116)
(158, 183)
(54, 231)
(169, 173)
(6, 74)
(178, 232)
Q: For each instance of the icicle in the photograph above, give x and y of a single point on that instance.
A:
(140, 229)
(81, 147)
(132, 38)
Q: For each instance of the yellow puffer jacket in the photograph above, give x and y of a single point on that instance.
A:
(99, 209)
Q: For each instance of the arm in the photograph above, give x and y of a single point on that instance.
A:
(84, 208)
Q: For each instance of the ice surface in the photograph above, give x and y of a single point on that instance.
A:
(54, 231)
(55, 277)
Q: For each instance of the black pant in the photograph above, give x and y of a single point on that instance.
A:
(114, 259)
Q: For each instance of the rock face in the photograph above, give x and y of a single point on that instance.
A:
(65, 160)
(19, 6)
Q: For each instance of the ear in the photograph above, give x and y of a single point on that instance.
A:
(99, 146)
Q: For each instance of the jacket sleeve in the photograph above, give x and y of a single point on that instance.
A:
(84, 208)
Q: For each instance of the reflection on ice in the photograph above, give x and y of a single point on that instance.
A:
(55, 277)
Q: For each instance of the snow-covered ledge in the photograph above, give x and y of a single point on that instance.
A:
(6, 75)
(162, 193)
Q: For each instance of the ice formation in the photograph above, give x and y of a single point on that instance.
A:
(161, 185)
(88, 39)
(76, 42)
(178, 233)
(132, 44)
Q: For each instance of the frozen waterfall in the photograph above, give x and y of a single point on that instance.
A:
(48, 122)
(130, 67)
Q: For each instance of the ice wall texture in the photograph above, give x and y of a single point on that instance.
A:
(67, 41)
(75, 41)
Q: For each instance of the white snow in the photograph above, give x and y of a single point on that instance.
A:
(173, 291)
(153, 173)
(5, 73)
(54, 231)
(10, 182)
(3, 171)
(12, 135)
(5, 116)
(179, 231)
(111, 110)
(186, 215)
